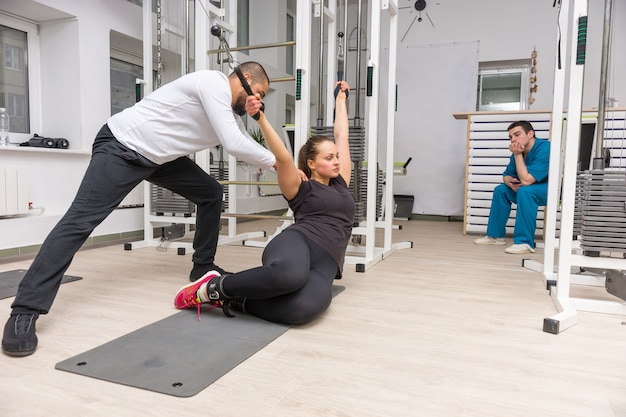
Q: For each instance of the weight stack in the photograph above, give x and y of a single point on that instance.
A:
(579, 202)
(603, 227)
(361, 204)
(166, 202)
(356, 138)
(358, 181)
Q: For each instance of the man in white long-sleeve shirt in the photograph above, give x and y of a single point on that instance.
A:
(148, 141)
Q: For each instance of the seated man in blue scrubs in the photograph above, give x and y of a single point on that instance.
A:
(525, 183)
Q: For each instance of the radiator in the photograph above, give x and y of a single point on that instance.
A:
(268, 190)
(166, 202)
(134, 198)
(13, 191)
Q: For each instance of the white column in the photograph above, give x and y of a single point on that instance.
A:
(331, 59)
(555, 170)
(148, 87)
(568, 315)
(372, 128)
(303, 69)
(391, 8)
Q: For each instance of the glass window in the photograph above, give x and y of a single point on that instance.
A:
(124, 84)
(14, 87)
(502, 89)
(243, 24)
(290, 108)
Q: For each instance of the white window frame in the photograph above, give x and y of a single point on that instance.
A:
(34, 73)
(17, 105)
(524, 72)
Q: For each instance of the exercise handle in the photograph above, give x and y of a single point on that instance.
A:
(338, 87)
(219, 33)
(246, 87)
(340, 65)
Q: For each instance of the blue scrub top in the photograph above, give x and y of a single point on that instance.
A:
(537, 162)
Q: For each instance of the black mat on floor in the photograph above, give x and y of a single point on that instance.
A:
(9, 281)
(178, 355)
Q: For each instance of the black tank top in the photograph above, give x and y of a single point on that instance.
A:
(325, 214)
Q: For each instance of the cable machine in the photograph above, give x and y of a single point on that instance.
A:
(363, 137)
(173, 213)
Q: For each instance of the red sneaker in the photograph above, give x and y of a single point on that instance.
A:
(187, 296)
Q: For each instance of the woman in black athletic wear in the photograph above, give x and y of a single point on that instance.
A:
(299, 265)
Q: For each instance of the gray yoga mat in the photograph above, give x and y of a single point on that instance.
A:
(9, 281)
(178, 355)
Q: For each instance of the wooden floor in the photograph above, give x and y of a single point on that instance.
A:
(445, 329)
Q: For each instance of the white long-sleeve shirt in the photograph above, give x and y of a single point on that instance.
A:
(185, 116)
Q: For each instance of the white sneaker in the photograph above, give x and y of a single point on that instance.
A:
(488, 240)
(519, 248)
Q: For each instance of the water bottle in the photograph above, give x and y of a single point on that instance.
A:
(4, 127)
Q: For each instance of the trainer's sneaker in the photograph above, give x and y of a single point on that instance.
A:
(19, 338)
(187, 296)
(488, 240)
(199, 270)
(519, 248)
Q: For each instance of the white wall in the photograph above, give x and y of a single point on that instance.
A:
(509, 30)
(75, 103)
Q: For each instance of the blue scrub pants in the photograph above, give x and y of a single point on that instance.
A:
(528, 199)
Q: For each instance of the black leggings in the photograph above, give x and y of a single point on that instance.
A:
(294, 284)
